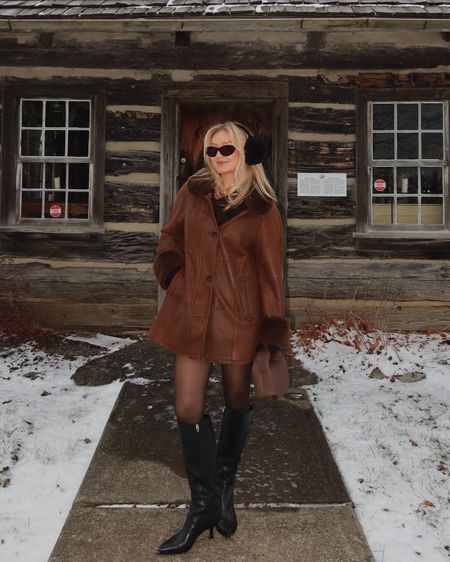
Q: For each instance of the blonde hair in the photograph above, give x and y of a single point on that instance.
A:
(246, 176)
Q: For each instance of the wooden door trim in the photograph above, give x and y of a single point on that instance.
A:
(213, 90)
(177, 94)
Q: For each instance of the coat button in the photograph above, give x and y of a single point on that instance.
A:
(209, 278)
(213, 234)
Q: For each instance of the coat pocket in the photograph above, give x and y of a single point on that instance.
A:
(244, 301)
(172, 289)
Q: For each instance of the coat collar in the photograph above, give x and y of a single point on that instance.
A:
(254, 202)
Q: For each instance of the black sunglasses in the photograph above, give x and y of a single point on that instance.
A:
(226, 150)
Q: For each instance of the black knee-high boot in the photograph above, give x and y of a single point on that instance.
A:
(199, 452)
(233, 435)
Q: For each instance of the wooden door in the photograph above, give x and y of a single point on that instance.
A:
(197, 118)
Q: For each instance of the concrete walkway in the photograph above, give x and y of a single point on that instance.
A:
(292, 503)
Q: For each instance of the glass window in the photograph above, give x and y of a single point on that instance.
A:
(55, 163)
(407, 163)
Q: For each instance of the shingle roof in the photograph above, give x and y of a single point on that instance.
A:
(116, 9)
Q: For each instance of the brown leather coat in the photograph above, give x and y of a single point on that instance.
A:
(228, 295)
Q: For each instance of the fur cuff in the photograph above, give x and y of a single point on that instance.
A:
(275, 331)
(164, 264)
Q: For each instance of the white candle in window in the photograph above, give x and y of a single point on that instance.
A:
(405, 185)
(57, 183)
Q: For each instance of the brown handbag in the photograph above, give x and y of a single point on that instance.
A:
(270, 374)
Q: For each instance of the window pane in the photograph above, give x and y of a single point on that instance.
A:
(382, 210)
(407, 180)
(78, 176)
(55, 113)
(432, 210)
(383, 116)
(31, 143)
(383, 180)
(54, 143)
(54, 204)
(55, 175)
(431, 180)
(78, 114)
(32, 113)
(407, 145)
(407, 210)
(407, 116)
(432, 145)
(78, 205)
(31, 175)
(78, 143)
(432, 117)
(383, 146)
(31, 204)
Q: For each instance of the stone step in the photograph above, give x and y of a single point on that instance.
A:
(322, 534)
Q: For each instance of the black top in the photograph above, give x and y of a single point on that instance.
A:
(223, 215)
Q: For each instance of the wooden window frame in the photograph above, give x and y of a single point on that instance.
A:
(363, 227)
(9, 208)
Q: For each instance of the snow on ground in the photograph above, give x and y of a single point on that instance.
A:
(111, 343)
(390, 439)
(49, 429)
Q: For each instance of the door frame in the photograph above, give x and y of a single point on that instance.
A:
(177, 94)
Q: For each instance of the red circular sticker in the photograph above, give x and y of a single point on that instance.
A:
(55, 210)
(379, 185)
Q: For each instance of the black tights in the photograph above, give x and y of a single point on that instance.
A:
(191, 380)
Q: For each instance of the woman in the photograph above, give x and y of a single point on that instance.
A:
(220, 259)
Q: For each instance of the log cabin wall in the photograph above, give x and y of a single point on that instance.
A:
(105, 280)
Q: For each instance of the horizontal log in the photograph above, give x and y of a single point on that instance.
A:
(115, 317)
(118, 317)
(337, 241)
(338, 24)
(320, 242)
(88, 284)
(132, 125)
(260, 87)
(398, 80)
(383, 315)
(318, 137)
(116, 246)
(322, 120)
(133, 226)
(134, 178)
(133, 202)
(342, 88)
(314, 156)
(123, 107)
(49, 72)
(121, 163)
(74, 264)
(135, 51)
(319, 89)
(314, 89)
(320, 207)
(129, 146)
(376, 280)
(117, 90)
(330, 241)
(407, 247)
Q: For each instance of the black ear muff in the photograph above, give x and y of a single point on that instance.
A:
(254, 147)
